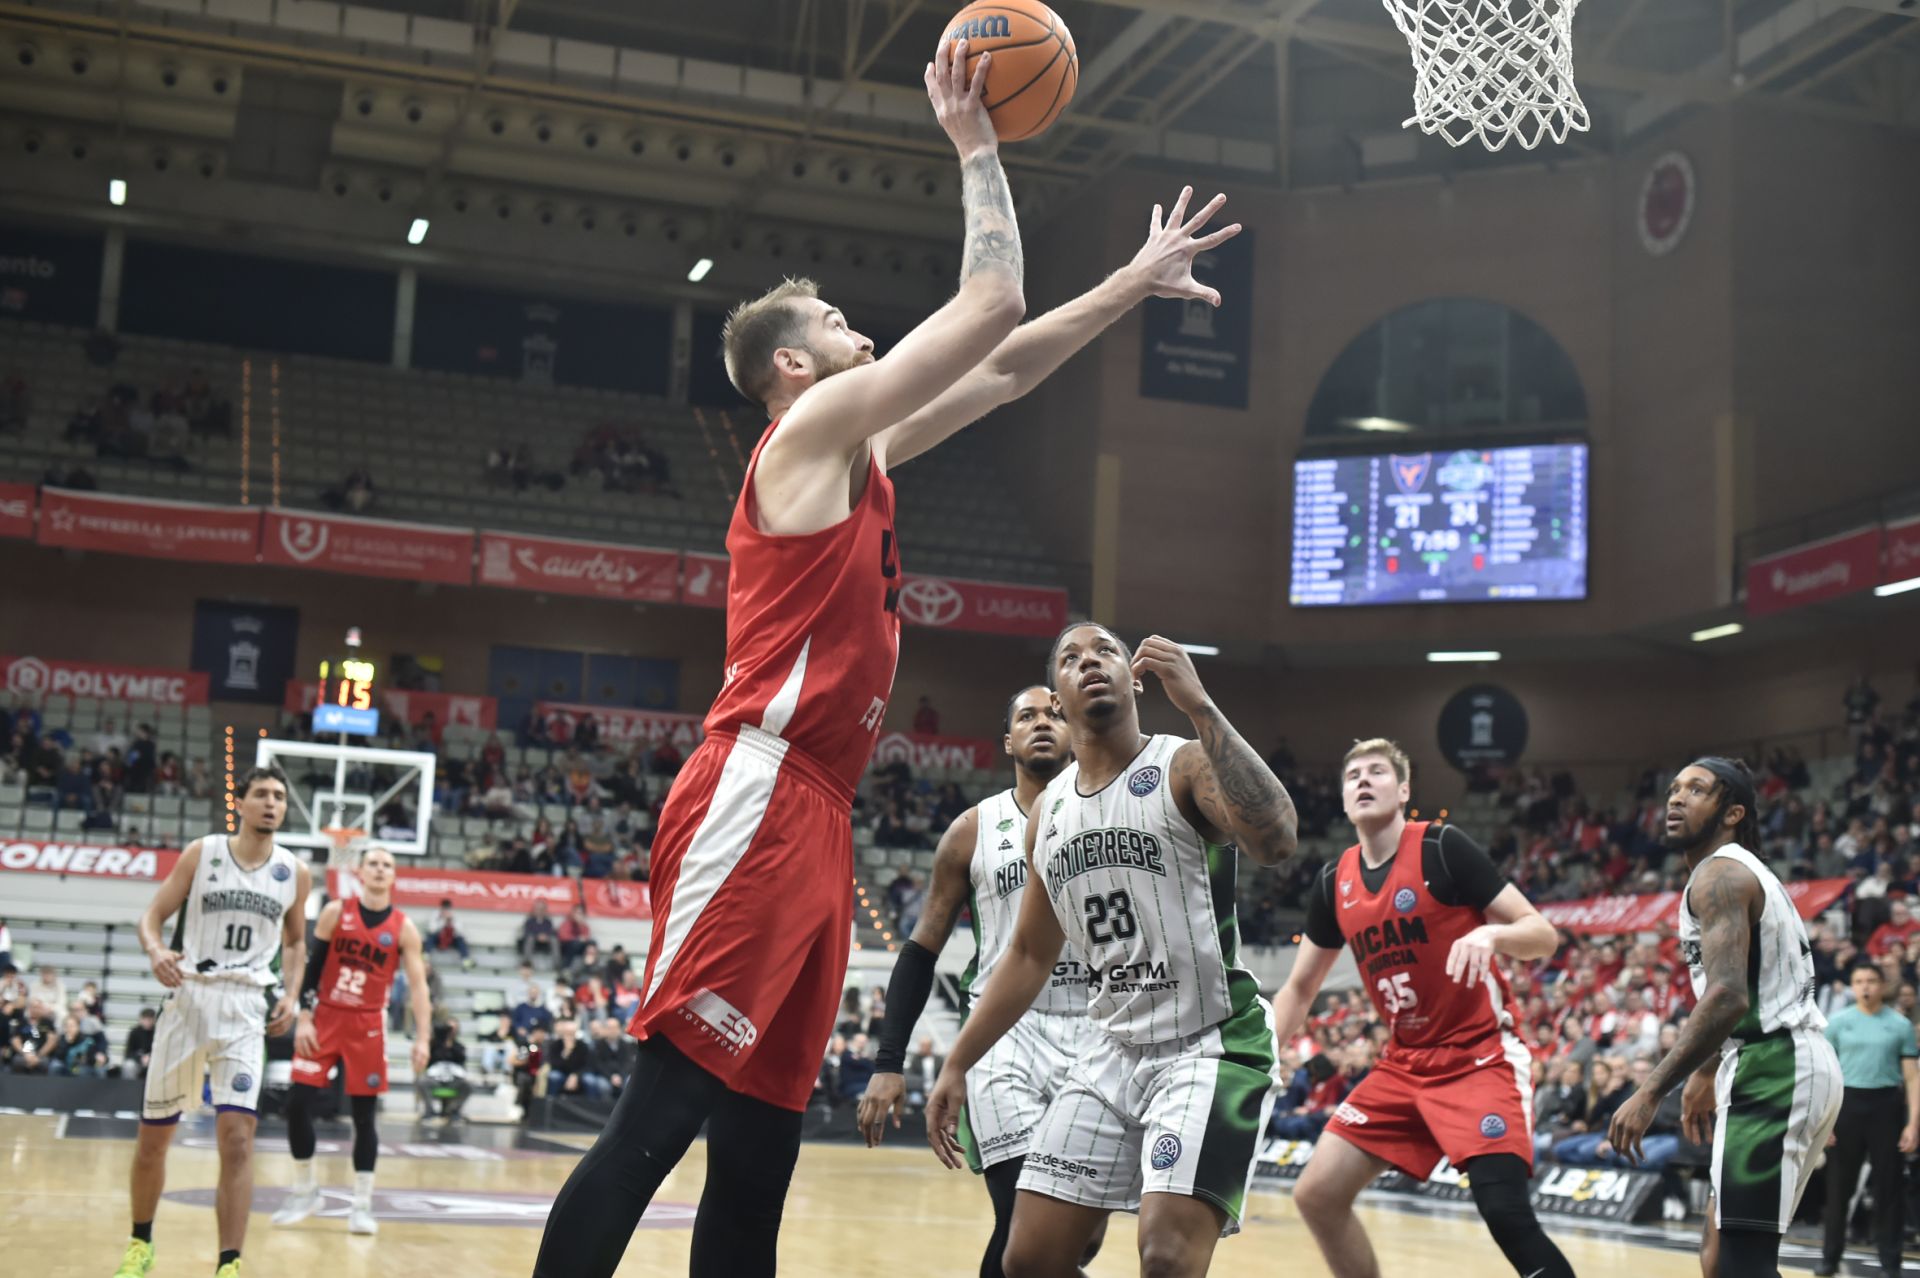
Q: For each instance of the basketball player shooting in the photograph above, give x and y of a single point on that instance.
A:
(982, 862)
(1130, 865)
(240, 899)
(358, 945)
(753, 852)
(1455, 1080)
(1761, 1081)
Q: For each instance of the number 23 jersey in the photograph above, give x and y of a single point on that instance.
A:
(1144, 900)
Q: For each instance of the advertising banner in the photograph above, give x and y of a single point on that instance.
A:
(990, 607)
(704, 580)
(624, 727)
(919, 752)
(1825, 569)
(1604, 915)
(148, 527)
(58, 678)
(563, 567)
(16, 510)
(368, 547)
(89, 860)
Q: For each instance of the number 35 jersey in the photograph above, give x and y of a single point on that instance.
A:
(1145, 902)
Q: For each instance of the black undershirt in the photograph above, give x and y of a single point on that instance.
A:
(1457, 871)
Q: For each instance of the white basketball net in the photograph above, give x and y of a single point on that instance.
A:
(1492, 69)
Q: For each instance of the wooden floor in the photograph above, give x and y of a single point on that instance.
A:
(853, 1213)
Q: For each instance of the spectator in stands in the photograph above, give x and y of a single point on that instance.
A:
(575, 934)
(1608, 1089)
(199, 781)
(140, 761)
(139, 1048)
(877, 1012)
(596, 841)
(665, 760)
(612, 1053)
(586, 734)
(587, 965)
(445, 934)
(537, 934)
(497, 1045)
(856, 1068)
(923, 1070)
(1559, 1108)
(579, 778)
(6, 948)
(569, 852)
(890, 829)
(570, 1070)
(77, 1052)
(1894, 934)
(530, 1013)
(354, 493)
(624, 1001)
(73, 789)
(168, 778)
(400, 1010)
(1859, 702)
(926, 720)
(49, 990)
(851, 1017)
(529, 1065)
(89, 1001)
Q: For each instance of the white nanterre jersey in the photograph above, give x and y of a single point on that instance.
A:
(1144, 901)
(229, 929)
(1780, 981)
(999, 873)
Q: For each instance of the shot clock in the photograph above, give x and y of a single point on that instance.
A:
(345, 704)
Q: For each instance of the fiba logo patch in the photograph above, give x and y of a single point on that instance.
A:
(1143, 783)
(243, 1082)
(373, 1079)
(928, 601)
(1166, 1152)
(27, 674)
(1493, 1127)
(281, 873)
(1404, 900)
(386, 938)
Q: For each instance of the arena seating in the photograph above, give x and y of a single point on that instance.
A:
(424, 437)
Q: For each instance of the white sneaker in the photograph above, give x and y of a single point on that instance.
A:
(360, 1219)
(297, 1206)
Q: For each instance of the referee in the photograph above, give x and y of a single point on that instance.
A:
(1879, 1117)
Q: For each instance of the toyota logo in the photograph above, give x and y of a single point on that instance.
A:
(27, 674)
(928, 601)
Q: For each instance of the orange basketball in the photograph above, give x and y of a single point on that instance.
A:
(1034, 68)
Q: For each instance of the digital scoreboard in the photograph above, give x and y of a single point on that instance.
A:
(1459, 526)
(344, 702)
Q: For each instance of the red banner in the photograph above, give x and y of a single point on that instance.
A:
(617, 899)
(704, 580)
(89, 679)
(16, 510)
(918, 752)
(1807, 574)
(91, 860)
(1605, 915)
(157, 529)
(994, 607)
(1900, 555)
(368, 547)
(627, 727)
(599, 569)
(411, 708)
(468, 890)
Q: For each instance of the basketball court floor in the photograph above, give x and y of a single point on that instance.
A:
(471, 1202)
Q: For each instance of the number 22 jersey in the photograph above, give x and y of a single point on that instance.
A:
(361, 958)
(1144, 900)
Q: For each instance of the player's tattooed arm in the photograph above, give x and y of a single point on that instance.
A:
(1239, 787)
(993, 234)
(1726, 898)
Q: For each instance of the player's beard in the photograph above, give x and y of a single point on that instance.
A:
(825, 366)
(1690, 839)
(1043, 767)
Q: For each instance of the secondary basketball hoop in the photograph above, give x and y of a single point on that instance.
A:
(1492, 69)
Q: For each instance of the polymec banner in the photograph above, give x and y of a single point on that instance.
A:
(564, 567)
(468, 890)
(90, 860)
(703, 581)
(90, 679)
(368, 547)
(157, 529)
(16, 510)
(1825, 569)
(1605, 915)
(992, 607)
(919, 751)
(620, 726)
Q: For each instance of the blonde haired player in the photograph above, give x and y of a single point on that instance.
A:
(240, 899)
(358, 944)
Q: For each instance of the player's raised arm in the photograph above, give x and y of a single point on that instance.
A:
(1018, 977)
(1219, 777)
(836, 413)
(1162, 268)
(167, 902)
(912, 979)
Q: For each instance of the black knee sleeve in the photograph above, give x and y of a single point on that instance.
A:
(300, 1121)
(366, 1141)
(1746, 1253)
(1499, 1185)
(751, 1149)
(1003, 1183)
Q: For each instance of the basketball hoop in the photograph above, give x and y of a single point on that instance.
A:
(346, 842)
(1492, 69)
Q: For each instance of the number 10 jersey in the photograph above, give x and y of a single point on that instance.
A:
(229, 929)
(1144, 901)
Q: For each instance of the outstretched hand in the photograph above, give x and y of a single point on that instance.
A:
(1165, 261)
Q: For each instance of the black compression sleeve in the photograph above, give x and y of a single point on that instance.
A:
(1460, 870)
(316, 961)
(1323, 925)
(907, 991)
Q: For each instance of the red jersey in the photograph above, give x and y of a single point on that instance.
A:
(361, 959)
(813, 630)
(1401, 935)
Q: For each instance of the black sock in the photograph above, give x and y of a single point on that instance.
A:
(1003, 1184)
(225, 1257)
(143, 1230)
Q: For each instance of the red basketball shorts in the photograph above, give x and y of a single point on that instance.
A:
(1420, 1104)
(752, 887)
(357, 1040)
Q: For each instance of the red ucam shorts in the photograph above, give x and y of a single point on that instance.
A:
(752, 888)
(1419, 1105)
(357, 1040)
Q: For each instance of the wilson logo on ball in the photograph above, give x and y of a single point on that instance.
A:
(989, 28)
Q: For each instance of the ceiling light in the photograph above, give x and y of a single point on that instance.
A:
(1468, 655)
(699, 271)
(1201, 649)
(1379, 425)
(1717, 632)
(117, 192)
(1897, 587)
(418, 231)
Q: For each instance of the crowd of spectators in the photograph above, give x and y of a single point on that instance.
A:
(512, 466)
(43, 1030)
(567, 1038)
(160, 426)
(92, 772)
(623, 460)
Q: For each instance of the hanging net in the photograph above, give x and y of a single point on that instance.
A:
(1492, 69)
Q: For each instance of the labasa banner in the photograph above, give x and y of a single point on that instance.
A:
(1604, 915)
(991, 607)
